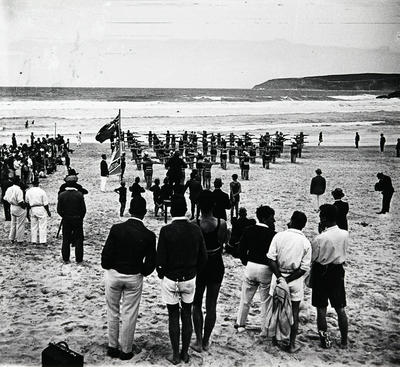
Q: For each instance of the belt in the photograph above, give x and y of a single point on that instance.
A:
(36, 205)
(213, 251)
(182, 278)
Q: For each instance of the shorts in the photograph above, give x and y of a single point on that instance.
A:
(328, 284)
(296, 288)
(172, 292)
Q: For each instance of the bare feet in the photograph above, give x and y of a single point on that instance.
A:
(196, 346)
(173, 359)
(293, 348)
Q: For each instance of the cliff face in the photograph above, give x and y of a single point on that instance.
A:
(336, 82)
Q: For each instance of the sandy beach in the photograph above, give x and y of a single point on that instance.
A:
(43, 300)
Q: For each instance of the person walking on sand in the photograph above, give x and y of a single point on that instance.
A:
(103, 173)
(209, 278)
(320, 138)
(79, 139)
(342, 209)
(329, 252)
(181, 254)
(253, 246)
(15, 197)
(289, 258)
(357, 139)
(384, 185)
(38, 206)
(128, 256)
(382, 142)
(195, 190)
(317, 187)
(398, 148)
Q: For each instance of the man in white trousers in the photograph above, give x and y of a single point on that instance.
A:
(15, 196)
(103, 173)
(38, 206)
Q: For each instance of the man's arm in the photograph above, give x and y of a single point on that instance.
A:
(243, 248)
(107, 255)
(161, 257)
(60, 209)
(202, 255)
(150, 259)
(83, 207)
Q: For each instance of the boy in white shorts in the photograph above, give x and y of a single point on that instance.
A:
(181, 253)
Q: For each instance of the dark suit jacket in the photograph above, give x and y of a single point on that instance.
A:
(181, 251)
(103, 168)
(342, 210)
(71, 204)
(318, 185)
(222, 203)
(130, 249)
(254, 244)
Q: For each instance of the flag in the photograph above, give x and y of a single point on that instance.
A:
(114, 167)
(108, 130)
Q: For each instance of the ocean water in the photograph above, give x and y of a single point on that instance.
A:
(69, 110)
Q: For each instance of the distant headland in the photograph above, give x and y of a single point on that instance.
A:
(367, 81)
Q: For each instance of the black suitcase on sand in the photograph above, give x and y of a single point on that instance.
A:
(59, 355)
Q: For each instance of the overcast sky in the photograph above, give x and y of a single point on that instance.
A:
(200, 43)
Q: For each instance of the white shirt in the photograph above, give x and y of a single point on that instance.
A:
(291, 250)
(330, 247)
(14, 195)
(37, 199)
(179, 218)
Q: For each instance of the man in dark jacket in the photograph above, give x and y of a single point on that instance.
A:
(342, 209)
(221, 199)
(195, 190)
(72, 209)
(386, 188)
(175, 166)
(128, 255)
(317, 187)
(382, 142)
(181, 253)
(103, 172)
(253, 248)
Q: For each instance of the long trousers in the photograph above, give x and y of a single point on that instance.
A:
(38, 229)
(129, 288)
(72, 230)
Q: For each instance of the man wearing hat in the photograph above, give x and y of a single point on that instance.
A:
(71, 180)
(222, 202)
(386, 188)
(38, 205)
(72, 209)
(128, 256)
(342, 208)
(317, 187)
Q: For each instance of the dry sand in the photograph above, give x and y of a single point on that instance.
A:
(43, 300)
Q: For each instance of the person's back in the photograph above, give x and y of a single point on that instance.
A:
(342, 210)
(131, 243)
(194, 187)
(318, 185)
(178, 249)
(71, 204)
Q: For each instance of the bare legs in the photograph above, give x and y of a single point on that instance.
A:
(203, 336)
(342, 321)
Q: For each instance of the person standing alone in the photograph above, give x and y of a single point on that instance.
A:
(72, 209)
(103, 173)
(384, 185)
(382, 142)
(317, 187)
(357, 139)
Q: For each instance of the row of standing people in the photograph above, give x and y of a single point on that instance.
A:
(189, 262)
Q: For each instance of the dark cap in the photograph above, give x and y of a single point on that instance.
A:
(337, 193)
(318, 171)
(137, 206)
(218, 182)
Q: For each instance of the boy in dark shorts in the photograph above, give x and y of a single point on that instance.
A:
(156, 190)
(329, 250)
(235, 190)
